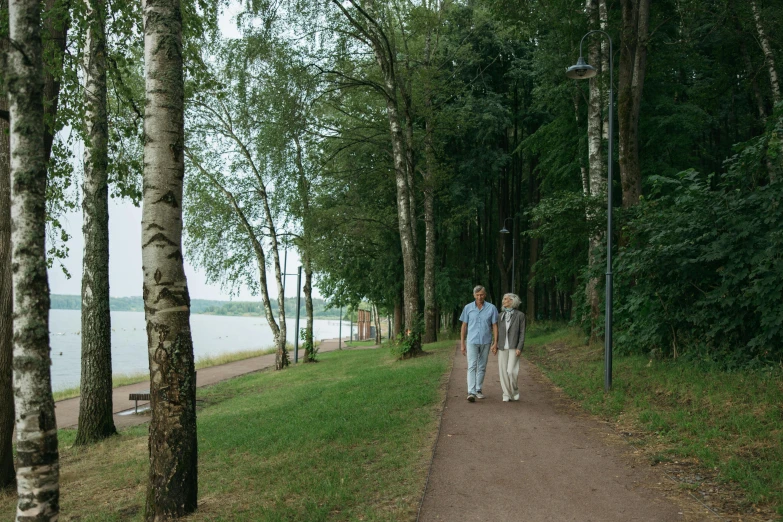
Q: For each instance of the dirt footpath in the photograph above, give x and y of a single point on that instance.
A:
(534, 460)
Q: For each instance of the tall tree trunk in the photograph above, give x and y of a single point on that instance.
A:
(173, 481)
(7, 472)
(305, 249)
(769, 58)
(603, 21)
(281, 355)
(430, 306)
(633, 67)
(95, 406)
(753, 83)
(530, 306)
(386, 57)
(596, 160)
(308, 294)
(377, 321)
(36, 427)
(595, 155)
(428, 186)
(406, 225)
(410, 163)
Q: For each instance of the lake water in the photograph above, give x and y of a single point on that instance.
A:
(212, 335)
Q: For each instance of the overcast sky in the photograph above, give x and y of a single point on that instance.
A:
(125, 275)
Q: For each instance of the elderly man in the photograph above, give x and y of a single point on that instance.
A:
(480, 327)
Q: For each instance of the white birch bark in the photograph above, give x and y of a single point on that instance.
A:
(767, 50)
(173, 487)
(38, 468)
(596, 163)
(603, 71)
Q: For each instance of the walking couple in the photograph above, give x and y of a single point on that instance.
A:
(483, 331)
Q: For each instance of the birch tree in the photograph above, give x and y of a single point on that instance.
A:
(173, 483)
(766, 48)
(596, 160)
(369, 30)
(95, 406)
(36, 426)
(305, 246)
(7, 473)
(230, 186)
(221, 223)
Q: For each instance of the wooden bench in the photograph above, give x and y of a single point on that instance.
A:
(144, 396)
(139, 396)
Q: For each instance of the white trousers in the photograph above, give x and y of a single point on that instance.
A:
(508, 367)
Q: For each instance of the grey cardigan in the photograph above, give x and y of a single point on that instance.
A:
(516, 331)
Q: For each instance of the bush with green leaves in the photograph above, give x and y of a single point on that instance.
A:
(701, 273)
(311, 351)
(408, 344)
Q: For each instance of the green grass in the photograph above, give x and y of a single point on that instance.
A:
(352, 344)
(348, 438)
(728, 424)
(118, 380)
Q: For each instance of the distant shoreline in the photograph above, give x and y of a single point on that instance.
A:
(205, 307)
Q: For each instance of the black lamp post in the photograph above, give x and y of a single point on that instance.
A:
(582, 71)
(504, 230)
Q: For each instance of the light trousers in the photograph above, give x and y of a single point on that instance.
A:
(508, 367)
(477, 366)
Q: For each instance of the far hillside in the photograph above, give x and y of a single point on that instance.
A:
(202, 306)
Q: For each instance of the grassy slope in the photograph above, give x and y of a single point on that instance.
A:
(720, 433)
(348, 438)
(118, 380)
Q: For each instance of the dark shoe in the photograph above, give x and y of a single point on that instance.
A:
(471, 397)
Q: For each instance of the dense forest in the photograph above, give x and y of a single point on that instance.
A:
(429, 127)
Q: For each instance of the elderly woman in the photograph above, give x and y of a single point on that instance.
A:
(511, 340)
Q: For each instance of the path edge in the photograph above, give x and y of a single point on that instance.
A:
(437, 435)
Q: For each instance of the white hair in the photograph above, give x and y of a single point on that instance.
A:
(477, 289)
(515, 300)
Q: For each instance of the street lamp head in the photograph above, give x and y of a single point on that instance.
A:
(504, 230)
(581, 71)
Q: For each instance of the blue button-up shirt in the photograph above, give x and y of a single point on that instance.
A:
(479, 322)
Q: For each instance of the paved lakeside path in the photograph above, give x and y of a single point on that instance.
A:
(537, 459)
(67, 411)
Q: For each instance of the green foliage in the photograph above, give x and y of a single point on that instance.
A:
(702, 272)
(311, 351)
(566, 228)
(408, 343)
